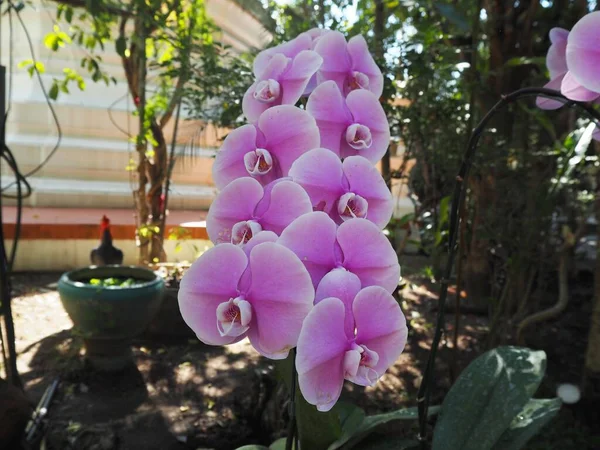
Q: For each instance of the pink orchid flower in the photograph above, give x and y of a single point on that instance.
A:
(582, 56)
(349, 64)
(266, 151)
(561, 78)
(330, 352)
(290, 49)
(358, 246)
(227, 295)
(344, 190)
(244, 208)
(282, 82)
(355, 125)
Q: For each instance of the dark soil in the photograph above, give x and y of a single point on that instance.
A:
(182, 394)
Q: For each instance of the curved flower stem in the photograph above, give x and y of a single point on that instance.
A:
(457, 198)
(292, 429)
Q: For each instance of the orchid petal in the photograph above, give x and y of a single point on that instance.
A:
(340, 283)
(289, 49)
(274, 70)
(251, 107)
(583, 51)
(327, 105)
(289, 133)
(556, 59)
(549, 103)
(336, 60)
(320, 173)
(368, 254)
(259, 238)
(573, 90)
(281, 294)
(380, 325)
(362, 61)
(365, 180)
(366, 110)
(206, 285)
(558, 35)
(229, 163)
(287, 202)
(312, 238)
(234, 204)
(296, 79)
(320, 354)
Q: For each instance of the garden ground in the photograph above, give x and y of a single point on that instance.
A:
(185, 395)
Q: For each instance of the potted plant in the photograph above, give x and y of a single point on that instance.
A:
(168, 322)
(109, 305)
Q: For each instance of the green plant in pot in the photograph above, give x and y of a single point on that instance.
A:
(110, 305)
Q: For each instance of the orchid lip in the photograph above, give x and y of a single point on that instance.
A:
(351, 206)
(243, 231)
(234, 317)
(359, 136)
(359, 363)
(357, 80)
(267, 91)
(258, 162)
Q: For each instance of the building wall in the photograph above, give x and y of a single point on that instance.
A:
(89, 169)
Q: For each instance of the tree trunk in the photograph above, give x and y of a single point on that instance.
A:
(157, 173)
(378, 30)
(591, 375)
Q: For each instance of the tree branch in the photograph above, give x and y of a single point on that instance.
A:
(100, 5)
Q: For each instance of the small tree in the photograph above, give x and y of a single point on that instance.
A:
(170, 41)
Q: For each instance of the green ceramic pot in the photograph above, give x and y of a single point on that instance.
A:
(108, 317)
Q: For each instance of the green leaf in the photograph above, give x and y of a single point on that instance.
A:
(536, 414)
(279, 444)
(53, 93)
(454, 16)
(524, 60)
(352, 435)
(69, 14)
(389, 443)
(121, 46)
(51, 41)
(487, 396)
(253, 447)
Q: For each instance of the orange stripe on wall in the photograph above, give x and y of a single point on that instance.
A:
(82, 231)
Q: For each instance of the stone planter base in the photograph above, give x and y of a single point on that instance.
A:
(109, 355)
(168, 321)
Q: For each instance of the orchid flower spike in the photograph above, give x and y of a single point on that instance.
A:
(358, 246)
(330, 351)
(266, 151)
(344, 190)
(282, 82)
(244, 208)
(227, 295)
(349, 64)
(355, 125)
